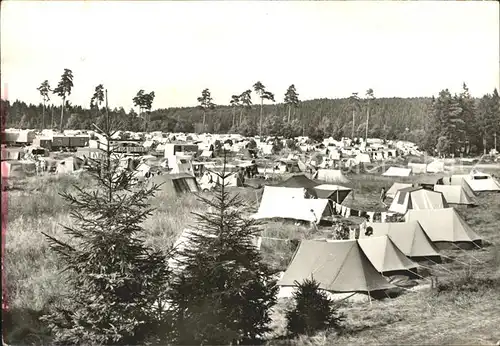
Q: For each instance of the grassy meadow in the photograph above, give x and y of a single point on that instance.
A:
(464, 312)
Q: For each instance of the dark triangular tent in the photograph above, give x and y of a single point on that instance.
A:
(301, 181)
(335, 193)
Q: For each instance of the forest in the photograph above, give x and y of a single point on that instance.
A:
(445, 123)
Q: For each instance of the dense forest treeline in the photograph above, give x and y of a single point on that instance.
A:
(449, 124)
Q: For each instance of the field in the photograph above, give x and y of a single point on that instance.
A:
(464, 314)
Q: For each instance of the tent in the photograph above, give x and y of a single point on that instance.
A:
(456, 194)
(362, 158)
(445, 228)
(397, 172)
(335, 193)
(290, 203)
(12, 153)
(416, 198)
(338, 266)
(331, 176)
(409, 237)
(480, 182)
(435, 167)
(300, 181)
(69, 165)
(386, 257)
(395, 188)
(177, 183)
(417, 168)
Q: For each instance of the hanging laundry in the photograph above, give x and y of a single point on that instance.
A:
(371, 215)
(347, 212)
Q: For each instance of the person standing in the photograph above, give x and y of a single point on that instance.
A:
(383, 197)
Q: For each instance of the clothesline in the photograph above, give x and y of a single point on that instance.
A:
(372, 216)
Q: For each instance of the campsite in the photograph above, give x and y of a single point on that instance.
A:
(447, 232)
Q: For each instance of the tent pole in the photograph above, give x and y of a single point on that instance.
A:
(370, 298)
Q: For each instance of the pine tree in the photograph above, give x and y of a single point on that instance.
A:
(222, 292)
(313, 310)
(118, 284)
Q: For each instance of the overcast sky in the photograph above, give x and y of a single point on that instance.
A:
(327, 49)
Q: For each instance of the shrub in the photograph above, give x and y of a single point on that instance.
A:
(313, 310)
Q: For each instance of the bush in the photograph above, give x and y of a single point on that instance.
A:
(467, 283)
(313, 311)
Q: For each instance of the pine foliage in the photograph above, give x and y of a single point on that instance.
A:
(313, 310)
(118, 284)
(222, 292)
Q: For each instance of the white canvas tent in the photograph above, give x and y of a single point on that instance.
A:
(416, 198)
(290, 203)
(456, 194)
(331, 176)
(397, 172)
(395, 188)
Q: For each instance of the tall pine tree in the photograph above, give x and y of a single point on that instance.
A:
(118, 284)
(222, 292)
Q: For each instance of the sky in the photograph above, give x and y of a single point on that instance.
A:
(178, 48)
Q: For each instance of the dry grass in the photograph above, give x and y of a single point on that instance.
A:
(34, 278)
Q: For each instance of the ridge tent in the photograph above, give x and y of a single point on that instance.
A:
(435, 167)
(409, 237)
(395, 188)
(362, 158)
(416, 198)
(331, 176)
(177, 183)
(338, 266)
(445, 228)
(386, 257)
(335, 193)
(456, 194)
(397, 172)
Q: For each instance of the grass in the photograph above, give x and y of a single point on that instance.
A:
(454, 315)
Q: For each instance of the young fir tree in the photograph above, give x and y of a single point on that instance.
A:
(117, 284)
(222, 292)
(313, 310)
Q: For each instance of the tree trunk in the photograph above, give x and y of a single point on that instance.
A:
(43, 115)
(289, 112)
(204, 116)
(484, 144)
(260, 121)
(62, 113)
(353, 119)
(52, 117)
(367, 119)
(241, 116)
(234, 114)
(495, 139)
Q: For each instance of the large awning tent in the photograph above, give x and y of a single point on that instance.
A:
(386, 257)
(175, 183)
(456, 194)
(334, 176)
(445, 228)
(339, 266)
(397, 172)
(290, 203)
(409, 237)
(395, 188)
(335, 193)
(417, 198)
